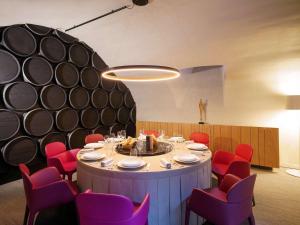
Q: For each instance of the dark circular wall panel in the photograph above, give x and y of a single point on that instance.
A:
(19, 96)
(9, 67)
(75, 97)
(66, 119)
(53, 97)
(107, 84)
(130, 129)
(38, 122)
(108, 116)
(76, 138)
(89, 78)
(79, 98)
(51, 137)
(116, 99)
(19, 150)
(99, 98)
(90, 118)
(123, 115)
(9, 124)
(38, 30)
(128, 99)
(66, 75)
(65, 37)
(97, 62)
(116, 127)
(37, 70)
(79, 55)
(52, 49)
(19, 41)
(101, 130)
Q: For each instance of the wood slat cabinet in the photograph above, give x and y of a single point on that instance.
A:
(264, 140)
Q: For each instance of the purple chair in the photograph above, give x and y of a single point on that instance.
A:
(228, 204)
(44, 189)
(58, 156)
(110, 209)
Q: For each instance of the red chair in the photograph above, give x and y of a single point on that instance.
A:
(58, 156)
(92, 138)
(44, 189)
(110, 209)
(199, 137)
(150, 132)
(222, 162)
(228, 204)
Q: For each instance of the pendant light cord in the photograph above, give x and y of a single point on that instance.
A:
(99, 17)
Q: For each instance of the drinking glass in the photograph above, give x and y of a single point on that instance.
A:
(139, 147)
(123, 134)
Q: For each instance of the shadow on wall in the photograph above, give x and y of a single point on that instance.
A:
(177, 100)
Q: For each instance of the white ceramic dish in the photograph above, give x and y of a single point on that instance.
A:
(186, 158)
(94, 145)
(131, 163)
(92, 156)
(197, 146)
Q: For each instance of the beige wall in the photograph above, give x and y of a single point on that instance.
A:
(257, 41)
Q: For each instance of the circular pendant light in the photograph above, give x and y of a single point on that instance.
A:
(141, 73)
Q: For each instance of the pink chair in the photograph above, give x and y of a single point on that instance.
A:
(150, 132)
(92, 138)
(228, 204)
(110, 209)
(223, 162)
(200, 137)
(58, 156)
(44, 189)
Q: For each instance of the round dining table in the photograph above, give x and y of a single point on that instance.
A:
(168, 188)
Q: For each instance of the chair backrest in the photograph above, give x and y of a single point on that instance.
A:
(244, 151)
(239, 168)
(242, 190)
(109, 209)
(92, 138)
(26, 181)
(54, 148)
(150, 132)
(98, 208)
(200, 137)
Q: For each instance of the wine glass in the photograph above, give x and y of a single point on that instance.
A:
(123, 134)
(139, 147)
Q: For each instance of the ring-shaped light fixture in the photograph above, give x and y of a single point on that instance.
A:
(141, 73)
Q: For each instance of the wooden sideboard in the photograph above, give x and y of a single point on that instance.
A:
(264, 140)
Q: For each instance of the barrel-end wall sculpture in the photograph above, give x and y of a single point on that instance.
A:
(52, 90)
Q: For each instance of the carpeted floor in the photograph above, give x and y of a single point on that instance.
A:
(277, 196)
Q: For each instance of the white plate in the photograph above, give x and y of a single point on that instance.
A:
(131, 163)
(87, 150)
(197, 146)
(92, 156)
(186, 158)
(94, 145)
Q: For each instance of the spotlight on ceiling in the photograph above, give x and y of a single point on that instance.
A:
(140, 2)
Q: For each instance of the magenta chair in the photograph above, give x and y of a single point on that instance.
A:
(44, 189)
(58, 156)
(110, 209)
(222, 162)
(228, 204)
(200, 137)
(151, 132)
(92, 138)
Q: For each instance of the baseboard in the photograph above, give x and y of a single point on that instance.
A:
(290, 165)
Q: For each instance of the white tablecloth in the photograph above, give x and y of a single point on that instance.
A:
(168, 189)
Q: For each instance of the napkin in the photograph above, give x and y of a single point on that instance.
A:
(106, 162)
(165, 163)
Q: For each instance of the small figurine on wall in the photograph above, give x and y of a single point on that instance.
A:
(202, 109)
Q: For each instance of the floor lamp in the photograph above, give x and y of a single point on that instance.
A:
(293, 103)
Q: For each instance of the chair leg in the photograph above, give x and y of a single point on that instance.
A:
(187, 216)
(70, 177)
(253, 201)
(26, 216)
(251, 220)
(31, 218)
